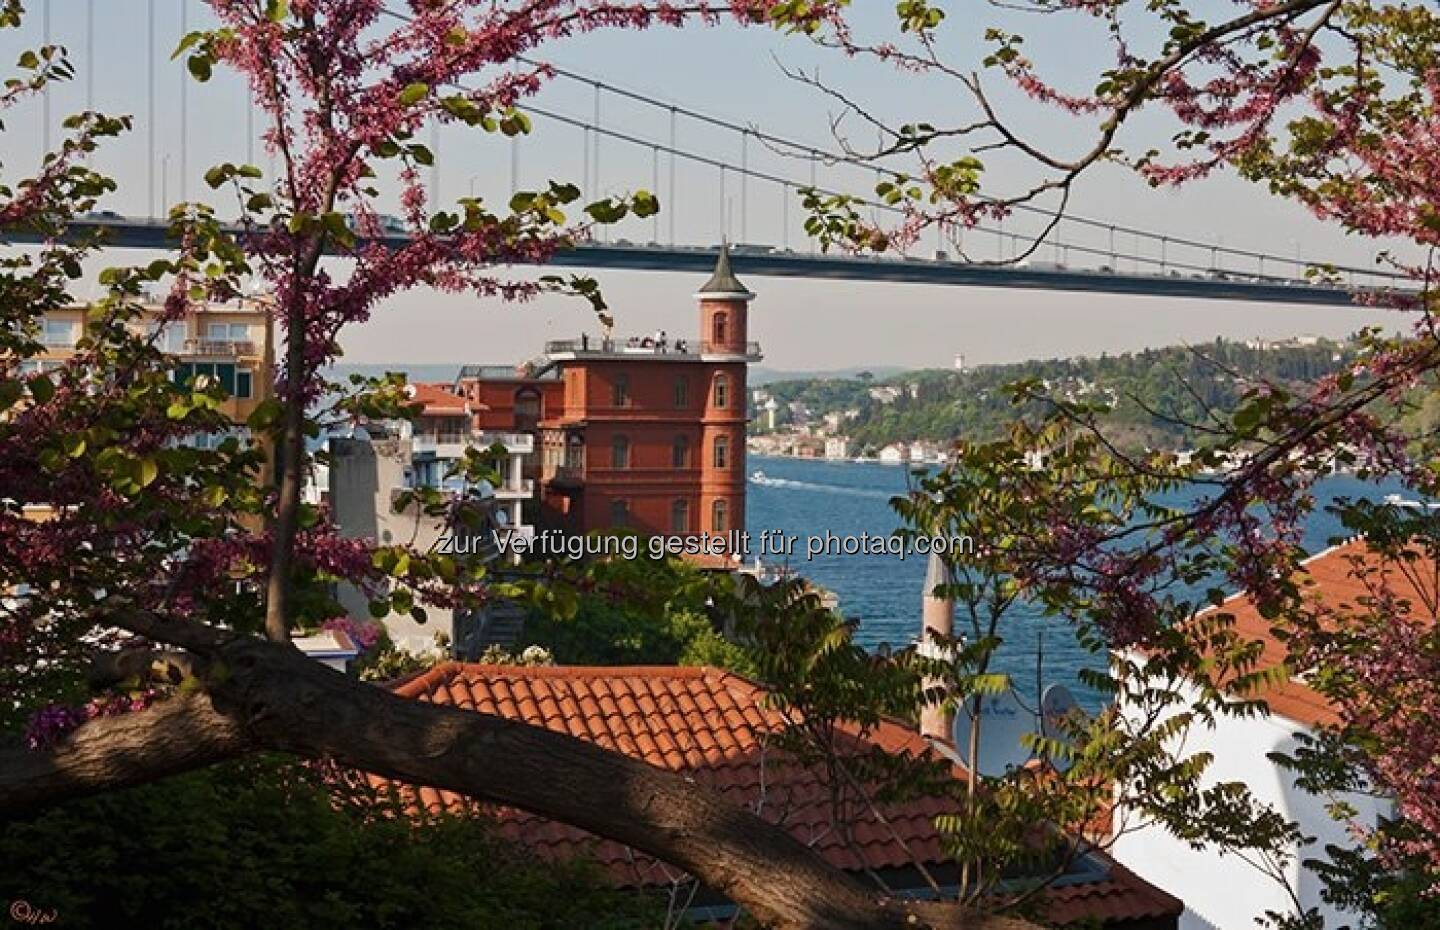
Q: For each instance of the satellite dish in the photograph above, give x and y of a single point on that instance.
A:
(1003, 724)
(1057, 705)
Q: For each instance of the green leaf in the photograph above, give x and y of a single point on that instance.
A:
(276, 10)
(146, 471)
(41, 388)
(10, 392)
(413, 93)
(200, 66)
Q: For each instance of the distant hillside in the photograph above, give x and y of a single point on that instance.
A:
(759, 374)
(426, 371)
(1156, 393)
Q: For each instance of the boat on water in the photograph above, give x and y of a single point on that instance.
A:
(1396, 500)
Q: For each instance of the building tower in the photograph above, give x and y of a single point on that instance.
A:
(724, 308)
(937, 615)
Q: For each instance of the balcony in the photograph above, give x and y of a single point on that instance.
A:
(682, 350)
(224, 348)
(522, 489)
(569, 476)
(514, 443)
(440, 446)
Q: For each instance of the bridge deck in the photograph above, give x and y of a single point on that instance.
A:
(125, 233)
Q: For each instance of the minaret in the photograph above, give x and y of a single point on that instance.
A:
(937, 615)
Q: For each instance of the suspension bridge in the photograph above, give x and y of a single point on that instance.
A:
(1077, 253)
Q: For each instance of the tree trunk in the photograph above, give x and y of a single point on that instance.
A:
(281, 700)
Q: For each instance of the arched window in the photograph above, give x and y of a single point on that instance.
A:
(527, 408)
(680, 452)
(620, 391)
(680, 516)
(682, 393)
(720, 516)
(722, 391)
(721, 457)
(575, 452)
(620, 452)
(718, 328)
(620, 513)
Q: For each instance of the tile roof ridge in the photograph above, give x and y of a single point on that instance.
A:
(584, 671)
(424, 681)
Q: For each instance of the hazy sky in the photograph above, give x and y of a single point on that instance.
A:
(733, 73)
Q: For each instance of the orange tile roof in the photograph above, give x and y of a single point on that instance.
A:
(1329, 578)
(716, 727)
(439, 401)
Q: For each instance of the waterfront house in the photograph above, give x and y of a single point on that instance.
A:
(644, 432)
(1241, 748)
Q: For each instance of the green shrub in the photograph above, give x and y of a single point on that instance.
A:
(264, 843)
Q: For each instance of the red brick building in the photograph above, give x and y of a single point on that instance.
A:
(647, 432)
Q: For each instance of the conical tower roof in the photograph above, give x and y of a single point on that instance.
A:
(723, 282)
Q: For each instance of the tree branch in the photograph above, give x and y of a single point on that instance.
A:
(174, 736)
(269, 696)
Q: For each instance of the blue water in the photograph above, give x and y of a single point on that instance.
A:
(883, 591)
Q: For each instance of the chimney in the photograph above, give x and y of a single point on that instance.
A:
(937, 615)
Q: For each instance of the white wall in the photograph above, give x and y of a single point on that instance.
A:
(1223, 892)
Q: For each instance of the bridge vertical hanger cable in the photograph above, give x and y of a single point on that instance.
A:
(150, 111)
(435, 162)
(184, 110)
(45, 92)
(514, 163)
(599, 188)
(249, 125)
(724, 228)
(784, 216)
(655, 187)
(90, 55)
(673, 201)
(744, 183)
(814, 162)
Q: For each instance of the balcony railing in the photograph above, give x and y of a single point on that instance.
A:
(224, 347)
(519, 443)
(628, 348)
(522, 488)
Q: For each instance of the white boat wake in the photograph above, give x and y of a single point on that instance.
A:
(789, 484)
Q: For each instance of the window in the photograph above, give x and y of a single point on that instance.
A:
(222, 372)
(720, 517)
(620, 391)
(680, 452)
(680, 516)
(244, 383)
(527, 408)
(722, 391)
(620, 513)
(61, 333)
(620, 452)
(722, 452)
(718, 328)
(228, 332)
(682, 393)
(169, 337)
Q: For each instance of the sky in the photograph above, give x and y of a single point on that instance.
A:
(737, 74)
